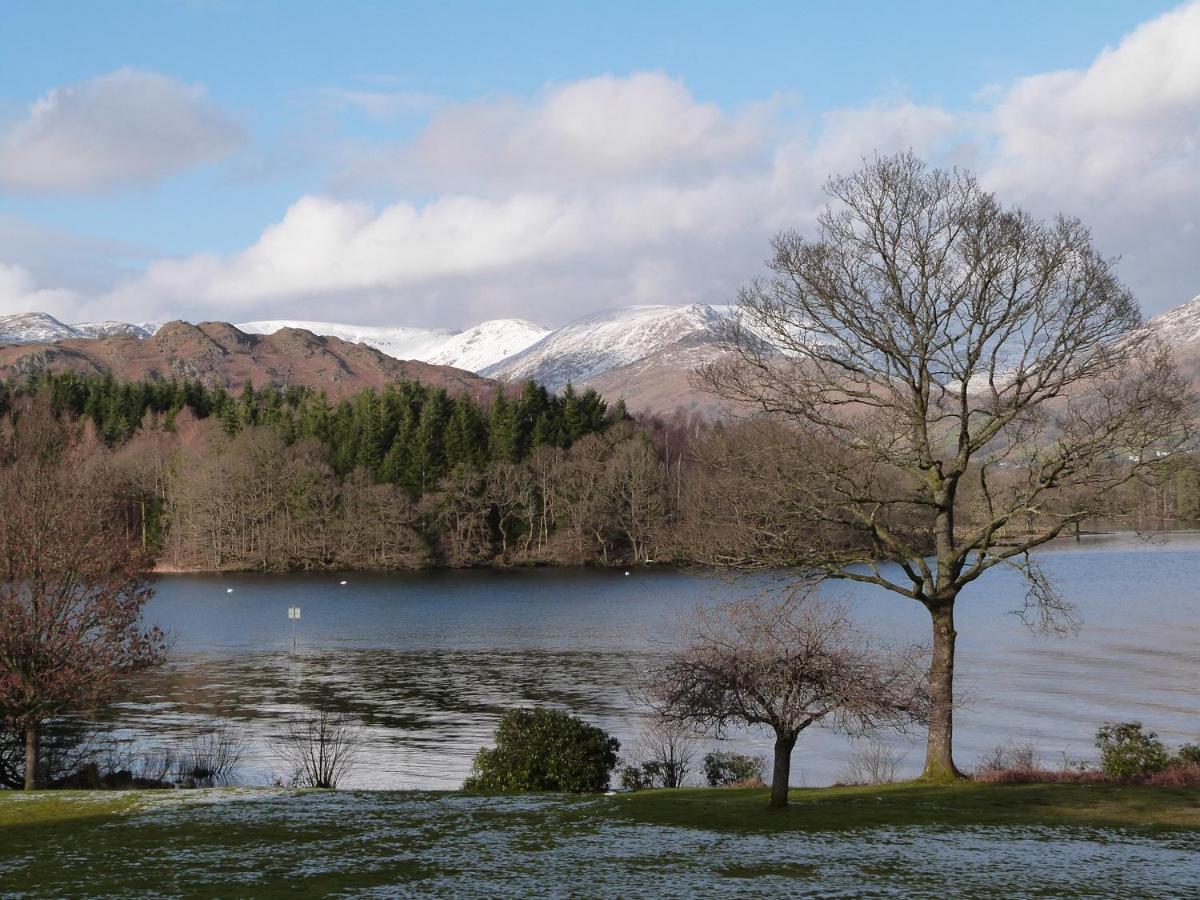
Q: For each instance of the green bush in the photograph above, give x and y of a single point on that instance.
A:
(723, 769)
(1188, 755)
(651, 774)
(1126, 751)
(544, 750)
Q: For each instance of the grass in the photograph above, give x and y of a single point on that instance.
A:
(264, 842)
(913, 803)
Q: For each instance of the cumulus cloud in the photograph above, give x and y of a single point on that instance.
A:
(19, 292)
(601, 193)
(127, 127)
(615, 190)
(605, 128)
(1117, 144)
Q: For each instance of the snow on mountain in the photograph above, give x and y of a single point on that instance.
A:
(1180, 325)
(474, 349)
(596, 344)
(399, 342)
(487, 343)
(40, 328)
(109, 329)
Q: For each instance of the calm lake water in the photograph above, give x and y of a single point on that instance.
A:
(427, 661)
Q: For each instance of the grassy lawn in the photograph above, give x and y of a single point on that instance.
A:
(966, 804)
(260, 842)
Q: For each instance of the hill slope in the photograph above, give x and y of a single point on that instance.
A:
(218, 354)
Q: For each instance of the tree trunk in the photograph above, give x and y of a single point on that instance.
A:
(782, 771)
(31, 757)
(939, 750)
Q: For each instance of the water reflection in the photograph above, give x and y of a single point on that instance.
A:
(428, 661)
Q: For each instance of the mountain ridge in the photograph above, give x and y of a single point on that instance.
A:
(642, 354)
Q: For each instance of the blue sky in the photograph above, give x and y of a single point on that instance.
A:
(358, 134)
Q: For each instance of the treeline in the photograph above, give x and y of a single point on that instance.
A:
(403, 477)
(408, 477)
(407, 434)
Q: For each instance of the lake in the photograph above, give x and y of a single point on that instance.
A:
(427, 661)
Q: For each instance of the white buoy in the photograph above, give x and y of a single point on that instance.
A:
(627, 572)
(230, 590)
(345, 582)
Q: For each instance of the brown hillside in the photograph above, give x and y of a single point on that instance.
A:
(216, 353)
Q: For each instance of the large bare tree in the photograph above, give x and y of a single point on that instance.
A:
(964, 368)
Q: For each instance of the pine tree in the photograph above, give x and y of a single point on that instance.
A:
(503, 436)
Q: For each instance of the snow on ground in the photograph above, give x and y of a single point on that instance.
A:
(389, 844)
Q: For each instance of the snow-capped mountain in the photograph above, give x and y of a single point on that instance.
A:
(40, 328)
(474, 349)
(400, 342)
(593, 345)
(487, 344)
(1179, 326)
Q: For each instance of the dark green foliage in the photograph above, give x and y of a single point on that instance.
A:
(1188, 755)
(544, 750)
(722, 769)
(407, 434)
(1126, 751)
(652, 774)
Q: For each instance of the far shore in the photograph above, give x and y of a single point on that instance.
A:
(163, 567)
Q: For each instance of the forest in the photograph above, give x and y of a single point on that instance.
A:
(409, 477)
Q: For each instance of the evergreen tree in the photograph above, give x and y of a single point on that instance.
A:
(503, 434)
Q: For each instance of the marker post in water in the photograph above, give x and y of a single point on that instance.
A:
(294, 615)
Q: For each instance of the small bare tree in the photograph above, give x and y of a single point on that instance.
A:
(873, 763)
(663, 756)
(966, 370)
(319, 750)
(785, 666)
(212, 755)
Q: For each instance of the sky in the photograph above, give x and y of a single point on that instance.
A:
(446, 163)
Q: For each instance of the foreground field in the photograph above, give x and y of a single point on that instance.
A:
(906, 839)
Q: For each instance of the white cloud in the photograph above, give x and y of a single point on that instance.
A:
(619, 190)
(127, 127)
(382, 106)
(604, 128)
(1117, 144)
(19, 292)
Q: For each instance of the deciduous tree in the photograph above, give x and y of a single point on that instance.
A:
(965, 365)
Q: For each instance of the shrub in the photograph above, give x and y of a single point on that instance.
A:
(1126, 751)
(662, 757)
(873, 763)
(1188, 755)
(319, 749)
(1012, 757)
(724, 769)
(544, 750)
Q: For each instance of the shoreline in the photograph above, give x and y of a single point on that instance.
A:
(166, 568)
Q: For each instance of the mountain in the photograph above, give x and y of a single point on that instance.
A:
(593, 345)
(219, 354)
(26, 328)
(474, 349)
(1178, 327)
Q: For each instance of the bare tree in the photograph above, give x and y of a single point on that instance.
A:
(319, 749)
(72, 583)
(873, 763)
(963, 365)
(212, 755)
(663, 755)
(784, 666)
